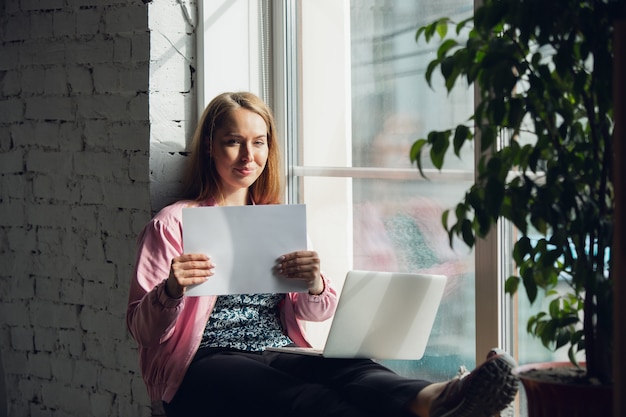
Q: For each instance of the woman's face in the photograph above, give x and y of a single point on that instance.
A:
(240, 150)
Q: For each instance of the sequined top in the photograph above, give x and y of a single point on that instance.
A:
(245, 321)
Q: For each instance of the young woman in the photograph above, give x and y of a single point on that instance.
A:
(204, 356)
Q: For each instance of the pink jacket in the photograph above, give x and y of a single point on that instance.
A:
(168, 331)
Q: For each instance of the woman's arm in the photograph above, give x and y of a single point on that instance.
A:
(316, 307)
(152, 312)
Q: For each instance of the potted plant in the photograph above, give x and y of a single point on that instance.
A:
(544, 76)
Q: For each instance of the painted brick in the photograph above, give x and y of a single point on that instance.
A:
(102, 403)
(22, 338)
(85, 218)
(17, 27)
(85, 374)
(23, 134)
(92, 250)
(55, 81)
(22, 288)
(49, 108)
(53, 240)
(104, 165)
(46, 341)
(171, 20)
(124, 195)
(10, 83)
(32, 80)
(168, 107)
(74, 84)
(124, 20)
(117, 221)
(15, 362)
(62, 367)
(48, 288)
(128, 135)
(75, 401)
(40, 25)
(42, 53)
(135, 77)
(119, 305)
(39, 365)
(94, 51)
(138, 388)
(138, 107)
(64, 23)
(138, 407)
(30, 389)
(11, 110)
(174, 134)
(52, 188)
(40, 160)
(96, 134)
(79, 79)
(103, 106)
(9, 56)
(115, 381)
(49, 314)
(40, 410)
(120, 251)
(71, 341)
(71, 293)
(95, 272)
(70, 136)
(172, 75)
(96, 294)
(47, 134)
(12, 162)
(140, 47)
(139, 167)
(12, 213)
(91, 191)
(98, 348)
(52, 215)
(44, 5)
(11, 6)
(88, 21)
(105, 78)
(22, 240)
(122, 49)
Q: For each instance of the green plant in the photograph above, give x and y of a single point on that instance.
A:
(544, 76)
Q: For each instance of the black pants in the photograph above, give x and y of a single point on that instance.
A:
(224, 382)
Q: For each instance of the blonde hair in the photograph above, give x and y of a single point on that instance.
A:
(202, 180)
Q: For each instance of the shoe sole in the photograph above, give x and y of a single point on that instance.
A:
(493, 388)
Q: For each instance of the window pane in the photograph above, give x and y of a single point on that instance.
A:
(397, 224)
(397, 227)
(392, 104)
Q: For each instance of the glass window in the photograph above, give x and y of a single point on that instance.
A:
(362, 101)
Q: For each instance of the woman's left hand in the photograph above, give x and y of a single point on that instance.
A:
(303, 265)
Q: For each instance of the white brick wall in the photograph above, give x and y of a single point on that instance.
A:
(96, 101)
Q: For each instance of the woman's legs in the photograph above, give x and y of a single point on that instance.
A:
(244, 384)
(278, 384)
(367, 384)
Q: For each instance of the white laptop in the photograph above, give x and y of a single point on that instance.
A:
(381, 315)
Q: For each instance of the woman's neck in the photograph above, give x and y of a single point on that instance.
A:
(241, 198)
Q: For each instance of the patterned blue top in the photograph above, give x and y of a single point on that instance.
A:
(245, 321)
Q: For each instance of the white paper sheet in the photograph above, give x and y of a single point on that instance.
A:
(244, 242)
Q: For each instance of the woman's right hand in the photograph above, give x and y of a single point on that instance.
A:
(188, 269)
